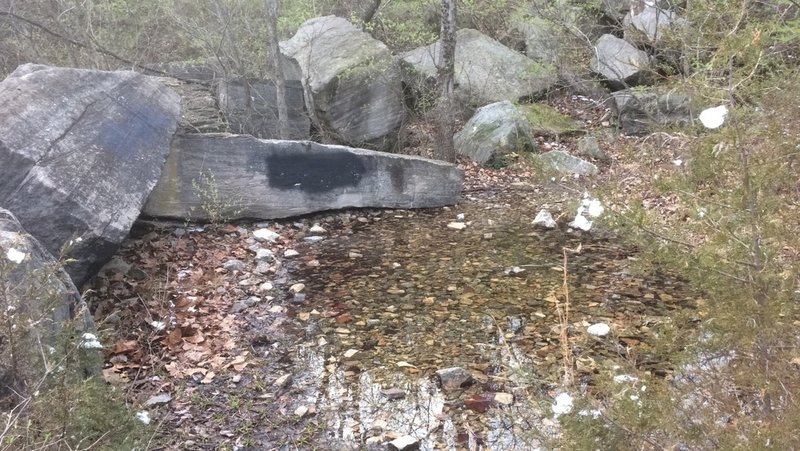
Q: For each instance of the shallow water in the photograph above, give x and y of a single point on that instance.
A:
(413, 296)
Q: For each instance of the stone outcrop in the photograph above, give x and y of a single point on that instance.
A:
(495, 130)
(264, 179)
(38, 297)
(639, 110)
(199, 110)
(352, 82)
(618, 61)
(260, 117)
(485, 70)
(81, 150)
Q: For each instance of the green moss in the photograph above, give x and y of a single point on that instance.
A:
(546, 120)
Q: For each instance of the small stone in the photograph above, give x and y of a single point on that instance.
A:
(282, 381)
(353, 254)
(161, 398)
(289, 253)
(456, 226)
(312, 263)
(299, 298)
(276, 309)
(395, 290)
(460, 216)
(301, 411)
(393, 393)
(316, 228)
(265, 235)
(453, 378)
(233, 265)
(544, 219)
(313, 238)
(598, 330)
(404, 443)
(264, 254)
(350, 353)
(480, 403)
(264, 287)
(342, 330)
(298, 287)
(505, 399)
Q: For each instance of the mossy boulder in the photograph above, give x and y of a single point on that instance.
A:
(493, 133)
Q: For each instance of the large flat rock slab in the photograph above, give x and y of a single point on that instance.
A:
(265, 179)
(80, 152)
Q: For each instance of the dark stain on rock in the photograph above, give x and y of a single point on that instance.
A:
(397, 173)
(314, 171)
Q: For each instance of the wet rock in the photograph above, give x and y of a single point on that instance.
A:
(393, 393)
(264, 254)
(265, 235)
(480, 403)
(505, 399)
(544, 219)
(453, 378)
(233, 265)
(404, 443)
(245, 304)
(282, 381)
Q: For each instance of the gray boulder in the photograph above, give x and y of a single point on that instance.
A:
(560, 161)
(352, 82)
(618, 61)
(81, 150)
(38, 299)
(649, 23)
(485, 70)
(243, 177)
(493, 132)
(260, 118)
(640, 110)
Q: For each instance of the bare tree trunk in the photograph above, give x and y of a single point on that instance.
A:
(445, 114)
(280, 81)
(370, 13)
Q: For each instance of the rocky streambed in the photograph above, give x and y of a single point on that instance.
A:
(393, 329)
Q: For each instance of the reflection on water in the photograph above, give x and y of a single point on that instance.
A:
(413, 296)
